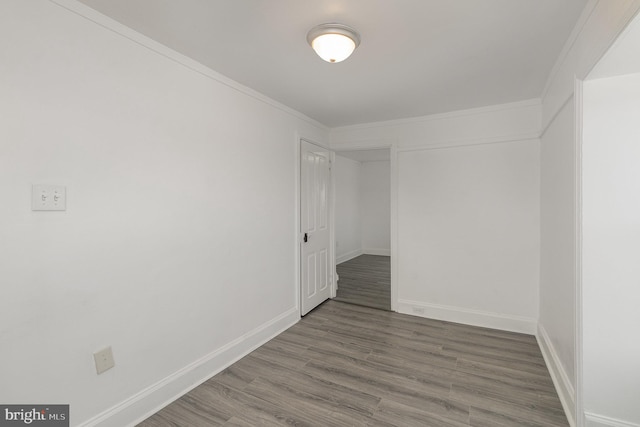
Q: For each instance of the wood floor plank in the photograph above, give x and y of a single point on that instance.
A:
(408, 392)
(315, 396)
(254, 410)
(394, 413)
(516, 378)
(532, 411)
(279, 355)
(486, 418)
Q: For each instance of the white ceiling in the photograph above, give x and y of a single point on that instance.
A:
(417, 57)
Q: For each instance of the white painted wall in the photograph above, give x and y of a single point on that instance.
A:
(611, 249)
(468, 231)
(467, 201)
(177, 247)
(347, 212)
(600, 23)
(363, 213)
(375, 208)
(557, 245)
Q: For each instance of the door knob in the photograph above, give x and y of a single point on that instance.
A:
(305, 238)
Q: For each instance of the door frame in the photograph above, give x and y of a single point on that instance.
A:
(297, 222)
(392, 146)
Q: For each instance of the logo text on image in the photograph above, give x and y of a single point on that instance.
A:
(35, 415)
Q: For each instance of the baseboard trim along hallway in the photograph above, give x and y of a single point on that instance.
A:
(594, 420)
(503, 322)
(559, 376)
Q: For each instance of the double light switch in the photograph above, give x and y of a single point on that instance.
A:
(48, 198)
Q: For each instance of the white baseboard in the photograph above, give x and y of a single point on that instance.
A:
(349, 255)
(374, 251)
(525, 325)
(595, 420)
(561, 381)
(370, 251)
(150, 400)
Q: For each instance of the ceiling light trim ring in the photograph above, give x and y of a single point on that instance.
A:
(333, 28)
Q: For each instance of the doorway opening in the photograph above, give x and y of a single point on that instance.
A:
(363, 227)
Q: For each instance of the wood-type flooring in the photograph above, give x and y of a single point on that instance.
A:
(348, 365)
(365, 280)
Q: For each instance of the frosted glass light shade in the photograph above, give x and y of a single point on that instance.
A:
(333, 42)
(333, 47)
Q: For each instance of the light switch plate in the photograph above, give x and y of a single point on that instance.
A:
(48, 198)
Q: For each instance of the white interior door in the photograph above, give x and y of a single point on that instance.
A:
(315, 259)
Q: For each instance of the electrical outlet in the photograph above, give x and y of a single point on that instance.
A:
(104, 360)
(48, 198)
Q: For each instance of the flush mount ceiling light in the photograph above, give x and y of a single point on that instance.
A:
(333, 42)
